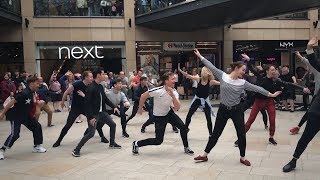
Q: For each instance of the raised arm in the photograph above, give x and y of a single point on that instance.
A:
(197, 78)
(311, 55)
(215, 71)
(250, 87)
(251, 66)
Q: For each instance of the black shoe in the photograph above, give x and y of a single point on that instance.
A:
(56, 144)
(76, 153)
(272, 141)
(114, 146)
(236, 143)
(125, 134)
(104, 140)
(143, 130)
(188, 151)
(135, 149)
(175, 129)
(289, 167)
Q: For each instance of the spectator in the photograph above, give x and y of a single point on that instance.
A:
(194, 82)
(55, 91)
(152, 83)
(288, 94)
(8, 88)
(125, 84)
(186, 83)
(43, 92)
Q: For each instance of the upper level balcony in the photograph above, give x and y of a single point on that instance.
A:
(189, 15)
(10, 11)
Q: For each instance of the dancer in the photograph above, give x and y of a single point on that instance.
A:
(78, 103)
(313, 123)
(231, 89)
(96, 111)
(164, 97)
(295, 130)
(119, 99)
(258, 74)
(140, 89)
(271, 84)
(201, 98)
(20, 108)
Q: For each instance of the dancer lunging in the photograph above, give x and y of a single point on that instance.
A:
(201, 98)
(20, 108)
(271, 84)
(78, 103)
(231, 89)
(96, 111)
(166, 98)
(313, 123)
(295, 130)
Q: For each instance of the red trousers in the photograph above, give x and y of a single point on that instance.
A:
(267, 104)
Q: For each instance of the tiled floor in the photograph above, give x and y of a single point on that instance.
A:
(166, 161)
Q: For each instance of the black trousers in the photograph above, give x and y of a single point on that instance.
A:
(32, 124)
(103, 117)
(160, 125)
(305, 116)
(122, 116)
(134, 110)
(73, 114)
(237, 116)
(249, 102)
(207, 111)
(312, 127)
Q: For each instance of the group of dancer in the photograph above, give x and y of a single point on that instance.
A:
(91, 99)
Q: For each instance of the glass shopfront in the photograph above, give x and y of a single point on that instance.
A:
(11, 57)
(12, 6)
(79, 56)
(78, 8)
(159, 57)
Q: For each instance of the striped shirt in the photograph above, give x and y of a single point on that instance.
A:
(230, 89)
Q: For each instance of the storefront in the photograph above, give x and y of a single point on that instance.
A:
(270, 52)
(79, 56)
(159, 57)
(11, 57)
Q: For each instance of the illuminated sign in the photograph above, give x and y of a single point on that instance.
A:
(178, 46)
(81, 52)
(286, 44)
(271, 59)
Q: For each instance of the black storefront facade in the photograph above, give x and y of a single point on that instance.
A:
(79, 56)
(278, 52)
(11, 57)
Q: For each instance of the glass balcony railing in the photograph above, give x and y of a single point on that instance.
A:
(12, 6)
(144, 6)
(78, 8)
(293, 16)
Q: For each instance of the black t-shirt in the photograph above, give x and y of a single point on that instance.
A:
(78, 101)
(23, 107)
(203, 90)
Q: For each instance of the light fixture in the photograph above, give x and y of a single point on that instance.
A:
(26, 21)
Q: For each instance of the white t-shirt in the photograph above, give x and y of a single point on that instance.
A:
(162, 100)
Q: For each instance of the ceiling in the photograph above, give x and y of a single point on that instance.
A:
(199, 14)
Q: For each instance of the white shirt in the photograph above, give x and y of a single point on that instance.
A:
(195, 82)
(100, 110)
(162, 100)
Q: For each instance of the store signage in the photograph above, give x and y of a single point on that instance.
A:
(178, 46)
(78, 52)
(286, 44)
(271, 59)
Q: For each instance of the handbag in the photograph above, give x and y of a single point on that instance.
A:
(103, 3)
(180, 90)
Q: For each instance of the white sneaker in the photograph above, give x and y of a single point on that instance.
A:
(1, 155)
(39, 149)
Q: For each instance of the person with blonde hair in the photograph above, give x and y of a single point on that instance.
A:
(201, 97)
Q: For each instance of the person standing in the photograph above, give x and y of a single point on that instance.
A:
(96, 111)
(20, 108)
(296, 129)
(43, 92)
(8, 88)
(78, 104)
(201, 98)
(55, 91)
(230, 107)
(313, 123)
(166, 98)
(288, 93)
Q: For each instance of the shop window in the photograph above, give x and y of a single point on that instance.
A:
(11, 6)
(110, 8)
